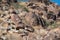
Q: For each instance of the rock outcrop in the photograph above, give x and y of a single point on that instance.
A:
(29, 20)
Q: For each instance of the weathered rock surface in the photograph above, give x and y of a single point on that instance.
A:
(29, 20)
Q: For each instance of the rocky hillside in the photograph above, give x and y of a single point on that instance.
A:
(29, 21)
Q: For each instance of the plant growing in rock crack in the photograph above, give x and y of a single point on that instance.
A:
(25, 9)
(47, 23)
(53, 25)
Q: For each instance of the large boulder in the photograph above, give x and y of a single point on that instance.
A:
(31, 19)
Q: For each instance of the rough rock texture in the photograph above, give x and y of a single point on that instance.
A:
(29, 21)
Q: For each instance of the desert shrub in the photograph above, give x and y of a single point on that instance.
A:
(54, 25)
(16, 5)
(19, 6)
(25, 9)
(47, 23)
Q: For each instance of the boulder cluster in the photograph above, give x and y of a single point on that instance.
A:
(29, 21)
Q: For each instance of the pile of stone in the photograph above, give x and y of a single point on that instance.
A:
(17, 24)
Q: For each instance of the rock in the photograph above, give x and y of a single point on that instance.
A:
(3, 38)
(32, 37)
(29, 29)
(43, 32)
(1, 20)
(14, 36)
(53, 35)
(17, 24)
(23, 32)
(58, 14)
(30, 4)
(31, 19)
(5, 25)
(51, 16)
